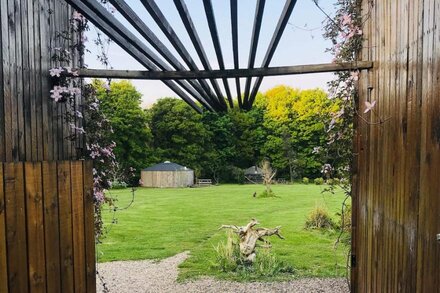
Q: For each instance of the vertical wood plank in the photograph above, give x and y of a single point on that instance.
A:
(35, 227)
(3, 33)
(16, 227)
(32, 81)
(45, 78)
(66, 239)
(51, 227)
(19, 113)
(79, 260)
(26, 85)
(89, 219)
(37, 72)
(3, 251)
(8, 143)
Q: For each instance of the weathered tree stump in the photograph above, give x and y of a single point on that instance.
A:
(249, 235)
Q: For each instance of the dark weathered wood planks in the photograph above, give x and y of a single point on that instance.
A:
(396, 182)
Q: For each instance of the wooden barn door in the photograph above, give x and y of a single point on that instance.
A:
(396, 201)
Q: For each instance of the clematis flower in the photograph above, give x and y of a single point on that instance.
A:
(369, 106)
(346, 19)
(56, 71)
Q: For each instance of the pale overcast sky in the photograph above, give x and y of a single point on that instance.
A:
(302, 42)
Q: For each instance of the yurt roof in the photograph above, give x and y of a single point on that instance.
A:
(253, 170)
(167, 166)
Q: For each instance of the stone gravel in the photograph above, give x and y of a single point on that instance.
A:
(153, 276)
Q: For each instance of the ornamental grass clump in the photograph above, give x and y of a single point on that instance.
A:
(265, 265)
(319, 218)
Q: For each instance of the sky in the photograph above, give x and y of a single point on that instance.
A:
(302, 42)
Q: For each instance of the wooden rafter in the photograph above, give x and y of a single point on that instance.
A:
(234, 28)
(217, 47)
(279, 30)
(195, 39)
(129, 48)
(171, 35)
(233, 73)
(143, 29)
(254, 45)
(185, 78)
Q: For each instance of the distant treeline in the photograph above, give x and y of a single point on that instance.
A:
(286, 126)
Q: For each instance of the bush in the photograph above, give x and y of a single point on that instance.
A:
(228, 254)
(266, 194)
(306, 180)
(119, 184)
(330, 181)
(319, 219)
(319, 181)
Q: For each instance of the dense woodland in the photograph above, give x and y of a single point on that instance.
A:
(286, 125)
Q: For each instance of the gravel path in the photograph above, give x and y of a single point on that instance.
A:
(152, 276)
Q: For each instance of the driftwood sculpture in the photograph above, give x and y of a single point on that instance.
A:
(249, 235)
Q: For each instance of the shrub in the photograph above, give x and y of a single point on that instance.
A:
(319, 181)
(330, 181)
(268, 265)
(306, 180)
(228, 254)
(267, 193)
(119, 184)
(319, 219)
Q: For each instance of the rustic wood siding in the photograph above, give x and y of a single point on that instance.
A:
(396, 200)
(31, 124)
(46, 227)
(164, 179)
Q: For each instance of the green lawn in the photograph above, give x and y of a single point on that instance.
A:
(163, 222)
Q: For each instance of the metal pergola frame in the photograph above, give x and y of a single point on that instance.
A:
(191, 82)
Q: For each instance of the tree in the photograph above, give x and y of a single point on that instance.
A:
(131, 132)
(295, 121)
(178, 133)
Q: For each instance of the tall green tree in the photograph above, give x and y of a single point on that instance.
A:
(121, 104)
(295, 121)
(178, 133)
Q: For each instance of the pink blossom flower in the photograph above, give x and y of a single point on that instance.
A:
(346, 19)
(354, 75)
(56, 71)
(77, 16)
(369, 106)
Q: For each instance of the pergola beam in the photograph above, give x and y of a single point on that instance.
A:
(209, 11)
(234, 28)
(106, 17)
(129, 48)
(279, 30)
(233, 73)
(171, 35)
(259, 10)
(131, 16)
(195, 39)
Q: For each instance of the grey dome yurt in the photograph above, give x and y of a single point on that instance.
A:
(254, 174)
(167, 174)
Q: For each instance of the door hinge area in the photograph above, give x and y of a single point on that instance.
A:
(353, 261)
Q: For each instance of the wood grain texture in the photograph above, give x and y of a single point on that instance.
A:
(51, 226)
(3, 253)
(66, 233)
(35, 229)
(396, 200)
(30, 128)
(79, 260)
(16, 227)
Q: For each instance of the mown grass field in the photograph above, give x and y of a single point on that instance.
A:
(163, 222)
